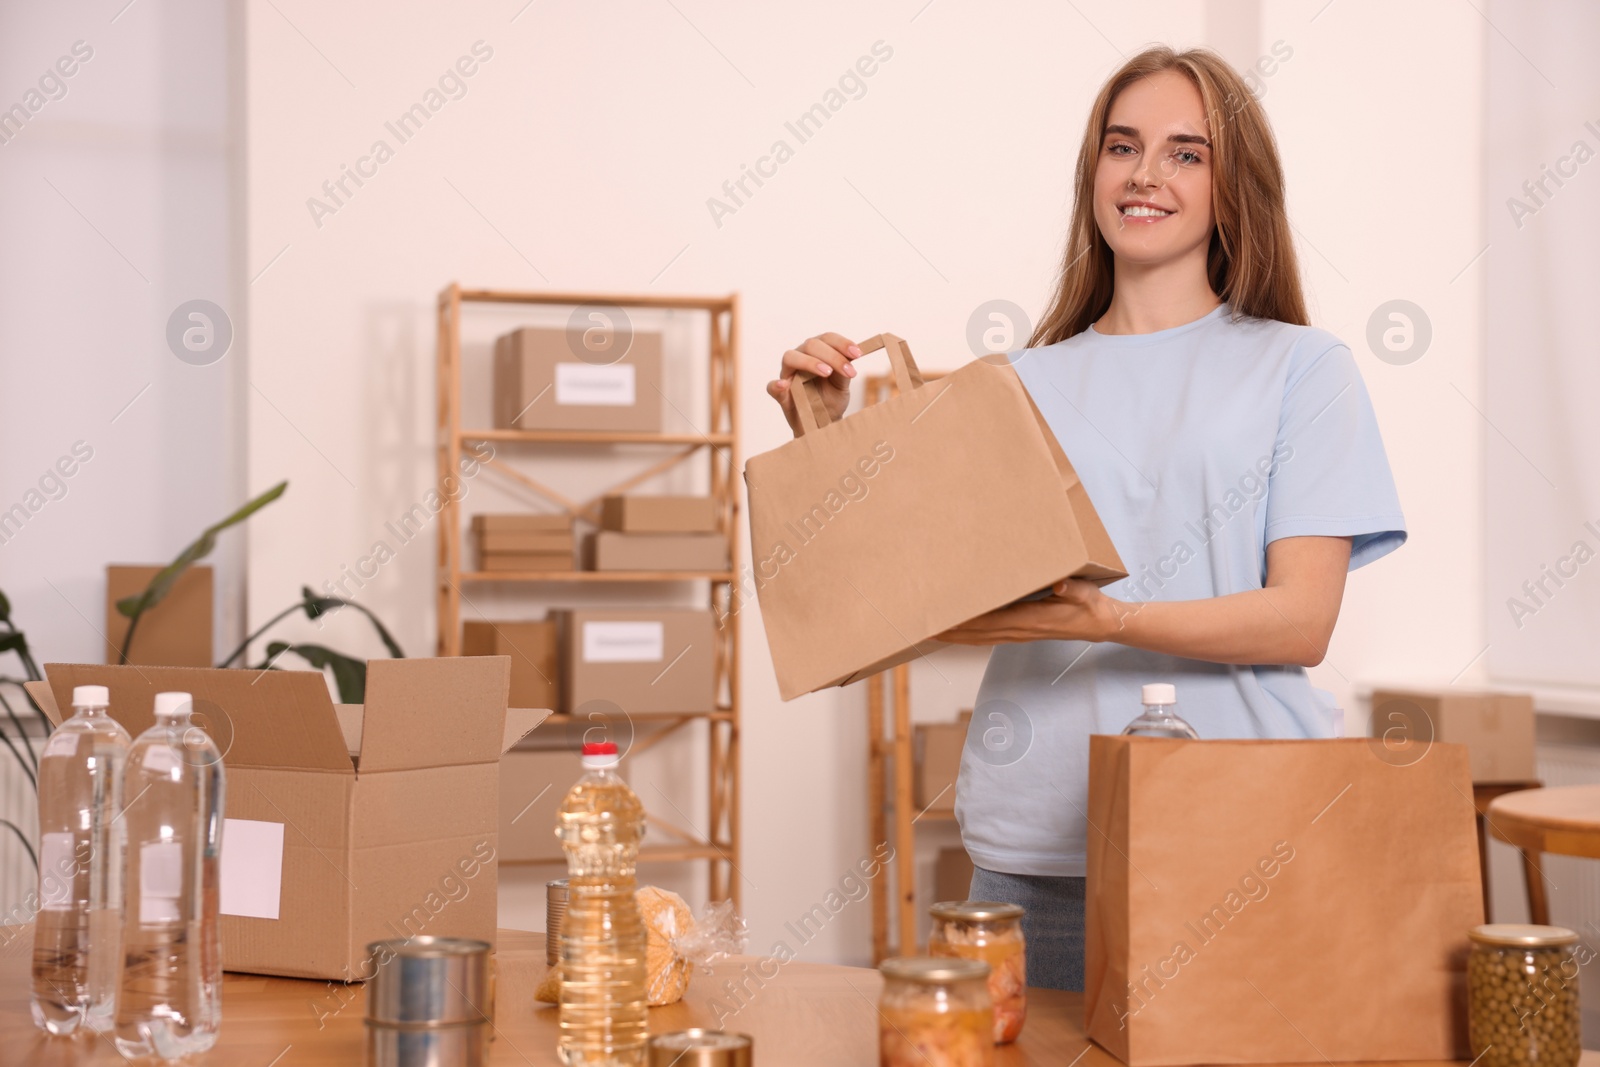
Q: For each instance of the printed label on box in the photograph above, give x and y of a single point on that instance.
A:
(594, 386)
(624, 642)
(252, 868)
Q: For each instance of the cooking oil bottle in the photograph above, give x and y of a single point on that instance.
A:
(76, 931)
(169, 1002)
(602, 937)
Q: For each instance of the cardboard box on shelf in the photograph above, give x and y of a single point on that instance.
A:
(954, 460)
(629, 513)
(525, 561)
(640, 659)
(545, 522)
(608, 550)
(532, 647)
(936, 755)
(545, 379)
(344, 824)
(952, 875)
(553, 541)
(174, 633)
(1497, 728)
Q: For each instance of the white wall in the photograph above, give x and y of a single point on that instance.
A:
(116, 205)
(582, 157)
(1382, 141)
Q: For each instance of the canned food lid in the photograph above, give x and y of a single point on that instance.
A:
(556, 890)
(701, 1048)
(933, 970)
(427, 946)
(975, 910)
(697, 1039)
(1522, 935)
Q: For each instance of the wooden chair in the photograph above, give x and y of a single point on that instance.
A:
(1484, 794)
(1564, 820)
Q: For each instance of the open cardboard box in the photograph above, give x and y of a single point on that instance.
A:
(344, 824)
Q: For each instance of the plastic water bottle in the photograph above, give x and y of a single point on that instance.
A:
(1160, 717)
(603, 1001)
(169, 1002)
(77, 928)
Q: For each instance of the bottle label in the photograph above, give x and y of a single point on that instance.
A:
(57, 871)
(160, 881)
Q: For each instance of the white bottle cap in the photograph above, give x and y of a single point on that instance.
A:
(1159, 693)
(90, 696)
(169, 705)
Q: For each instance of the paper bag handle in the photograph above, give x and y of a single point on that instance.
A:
(808, 405)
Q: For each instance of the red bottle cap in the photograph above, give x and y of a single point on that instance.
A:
(600, 748)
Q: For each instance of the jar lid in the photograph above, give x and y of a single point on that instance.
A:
(933, 970)
(701, 1048)
(974, 911)
(1522, 935)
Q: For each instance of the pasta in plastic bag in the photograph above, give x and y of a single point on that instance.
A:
(674, 943)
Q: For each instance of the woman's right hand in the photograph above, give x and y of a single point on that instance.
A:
(828, 356)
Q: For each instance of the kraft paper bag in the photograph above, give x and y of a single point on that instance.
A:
(1278, 901)
(874, 533)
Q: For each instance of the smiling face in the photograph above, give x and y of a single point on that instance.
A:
(1152, 184)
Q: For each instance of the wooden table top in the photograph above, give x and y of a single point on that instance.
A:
(807, 1015)
(1563, 819)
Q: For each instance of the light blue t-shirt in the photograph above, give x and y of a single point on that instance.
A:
(1198, 446)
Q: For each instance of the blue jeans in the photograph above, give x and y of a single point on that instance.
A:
(1052, 923)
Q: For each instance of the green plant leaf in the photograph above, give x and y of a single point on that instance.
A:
(321, 605)
(13, 642)
(350, 675)
(162, 583)
(5, 609)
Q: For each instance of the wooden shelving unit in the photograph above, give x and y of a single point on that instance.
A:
(717, 444)
(889, 741)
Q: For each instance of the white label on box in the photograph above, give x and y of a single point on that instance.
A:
(252, 868)
(595, 386)
(624, 642)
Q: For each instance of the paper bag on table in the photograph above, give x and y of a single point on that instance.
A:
(1278, 901)
(872, 534)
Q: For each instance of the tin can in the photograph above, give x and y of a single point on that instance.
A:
(428, 1003)
(701, 1048)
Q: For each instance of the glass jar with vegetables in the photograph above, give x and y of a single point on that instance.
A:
(991, 932)
(1522, 996)
(935, 1013)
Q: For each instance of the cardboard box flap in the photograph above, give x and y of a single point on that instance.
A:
(40, 692)
(273, 718)
(434, 712)
(520, 722)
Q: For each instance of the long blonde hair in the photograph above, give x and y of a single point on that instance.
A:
(1251, 263)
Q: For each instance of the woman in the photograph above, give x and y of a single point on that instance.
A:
(1229, 447)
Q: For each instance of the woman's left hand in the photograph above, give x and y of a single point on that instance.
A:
(1075, 610)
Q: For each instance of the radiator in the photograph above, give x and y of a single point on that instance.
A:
(17, 805)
